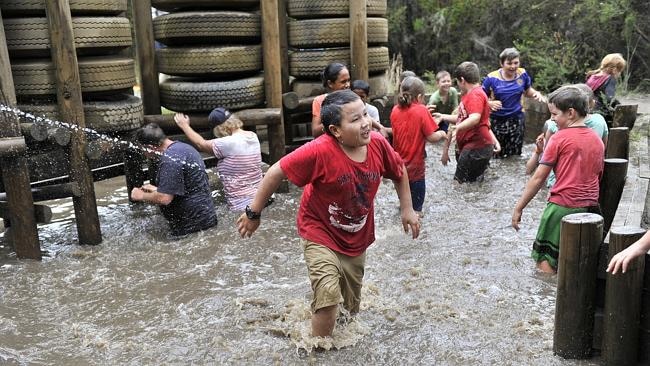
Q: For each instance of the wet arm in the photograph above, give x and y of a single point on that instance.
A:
(197, 140)
(148, 196)
(409, 217)
(268, 186)
(316, 126)
(469, 122)
(622, 259)
(535, 183)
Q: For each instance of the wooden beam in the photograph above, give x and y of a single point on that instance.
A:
(68, 95)
(358, 40)
(250, 117)
(42, 213)
(15, 174)
(273, 74)
(149, 88)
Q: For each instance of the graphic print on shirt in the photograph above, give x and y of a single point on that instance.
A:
(352, 214)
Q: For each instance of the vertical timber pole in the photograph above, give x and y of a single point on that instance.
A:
(14, 169)
(284, 44)
(623, 302)
(611, 188)
(358, 40)
(144, 41)
(618, 144)
(580, 237)
(273, 74)
(68, 95)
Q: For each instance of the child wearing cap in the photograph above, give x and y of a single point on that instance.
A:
(238, 151)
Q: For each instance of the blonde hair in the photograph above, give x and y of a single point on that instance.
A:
(410, 89)
(610, 63)
(227, 128)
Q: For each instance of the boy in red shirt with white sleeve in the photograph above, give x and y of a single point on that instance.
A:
(341, 171)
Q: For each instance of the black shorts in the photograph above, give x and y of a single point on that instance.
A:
(471, 164)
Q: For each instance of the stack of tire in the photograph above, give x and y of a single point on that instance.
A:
(319, 33)
(102, 35)
(212, 52)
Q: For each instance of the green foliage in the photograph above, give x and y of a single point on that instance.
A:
(559, 40)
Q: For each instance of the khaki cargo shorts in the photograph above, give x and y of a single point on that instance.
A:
(335, 278)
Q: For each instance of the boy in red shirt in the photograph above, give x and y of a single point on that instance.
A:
(475, 142)
(341, 171)
(575, 153)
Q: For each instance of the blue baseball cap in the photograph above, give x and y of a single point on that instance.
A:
(218, 116)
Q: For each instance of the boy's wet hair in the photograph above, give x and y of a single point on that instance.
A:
(409, 90)
(360, 85)
(331, 72)
(509, 54)
(150, 134)
(468, 71)
(330, 112)
(570, 96)
(442, 74)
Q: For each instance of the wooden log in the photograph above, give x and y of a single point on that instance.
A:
(133, 169)
(625, 115)
(580, 237)
(12, 146)
(42, 213)
(149, 88)
(70, 105)
(644, 328)
(40, 132)
(623, 303)
(611, 188)
(290, 100)
(358, 40)
(284, 45)
(618, 143)
(273, 85)
(250, 117)
(51, 192)
(15, 174)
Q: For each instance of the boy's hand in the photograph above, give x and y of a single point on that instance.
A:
(246, 226)
(539, 143)
(149, 188)
(623, 258)
(411, 219)
(497, 147)
(137, 194)
(182, 120)
(495, 105)
(516, 218)
(444, 159)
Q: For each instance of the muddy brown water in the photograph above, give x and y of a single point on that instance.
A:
(464, 293)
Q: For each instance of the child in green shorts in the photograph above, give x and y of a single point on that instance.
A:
(340, 171)
(576, 155)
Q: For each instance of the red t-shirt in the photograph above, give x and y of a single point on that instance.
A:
(477, 137)
(576, 155)
(411, 126)
(337, 204)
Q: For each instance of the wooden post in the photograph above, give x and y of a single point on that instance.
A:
(284, 44)
(135, 176)
(15, 174)
(625, 115)
(68, 93)
(358, 40)
(149, 90)
(644, 328)
(623, 302)
(272, 74)
(580, 237)
(618, 144)
(611, 188)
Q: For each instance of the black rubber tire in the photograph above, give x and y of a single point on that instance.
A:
(314, 33)
(307, 88)
(12, 8)
(176, 5)
(310, 63)
(189, 61)
(96, 74)
(122, 114)
(214, 27)
(330, 8)
(192, 95)
(31, 37)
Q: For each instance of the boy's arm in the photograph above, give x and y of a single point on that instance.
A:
(623, 258)
(532, 93)
(183, 122)
(409, 217)
(533, 186)
(469, 122)
(268, 186)
(141, 194)
(437, 136)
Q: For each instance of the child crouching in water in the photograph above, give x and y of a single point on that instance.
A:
(340, 171)
(576, 155)
(412, 126)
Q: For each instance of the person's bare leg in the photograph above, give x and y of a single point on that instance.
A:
(323, 321)
(545, 267)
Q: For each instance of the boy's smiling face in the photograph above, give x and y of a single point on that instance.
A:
(562, 119)
(354, 127)
(444, 83)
